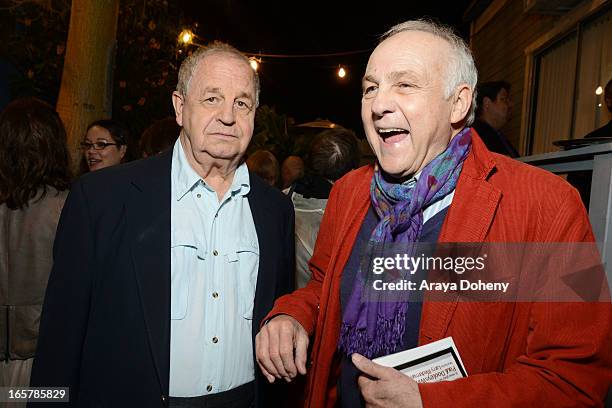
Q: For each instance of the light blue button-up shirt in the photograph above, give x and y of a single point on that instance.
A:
(214, 263)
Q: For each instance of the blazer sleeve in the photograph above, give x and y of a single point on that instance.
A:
(303, 304)
(567, 358)
(67, 301)
(286, 280)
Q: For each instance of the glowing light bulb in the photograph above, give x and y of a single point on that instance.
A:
(599, 90)
(254, 64)
(186, 36)
(341, 72)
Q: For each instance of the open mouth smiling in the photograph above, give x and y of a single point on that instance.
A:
(392, 134)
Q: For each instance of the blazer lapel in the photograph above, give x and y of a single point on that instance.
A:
(468, 220)
(148, 215)
(266, 276)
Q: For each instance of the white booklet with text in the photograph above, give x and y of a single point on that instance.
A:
(433, 362)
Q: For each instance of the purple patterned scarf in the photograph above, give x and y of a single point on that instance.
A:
(374, 326)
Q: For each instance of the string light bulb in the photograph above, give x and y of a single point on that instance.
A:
(186, 36)
(254, 63)
(599, 90)
(341, 72)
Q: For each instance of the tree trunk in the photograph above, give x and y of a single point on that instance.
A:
(87, 79)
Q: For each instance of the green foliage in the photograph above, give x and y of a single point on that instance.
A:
(36, 32)
(146, 61)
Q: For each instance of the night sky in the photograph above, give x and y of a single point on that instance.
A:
(308, 88)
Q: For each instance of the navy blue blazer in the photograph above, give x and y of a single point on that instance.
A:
(105, 325)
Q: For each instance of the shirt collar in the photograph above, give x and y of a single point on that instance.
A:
(412, 180)
(185, 178)
(241, 185)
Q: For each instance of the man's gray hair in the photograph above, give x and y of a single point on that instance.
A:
(191, 62)
(461, 68)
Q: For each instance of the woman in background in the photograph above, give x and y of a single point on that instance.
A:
(105, 144)
(34, 180)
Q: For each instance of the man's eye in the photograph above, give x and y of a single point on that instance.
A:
(242, 105)
(211, 99)
(404, 85)
(369, 89)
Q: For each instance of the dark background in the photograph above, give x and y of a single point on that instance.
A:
(308, 88)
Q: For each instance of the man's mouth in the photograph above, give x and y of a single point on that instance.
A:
(228, 135)
(392, 134)
(92, 161)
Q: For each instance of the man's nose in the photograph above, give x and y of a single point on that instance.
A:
(383, 103)
(227, 115)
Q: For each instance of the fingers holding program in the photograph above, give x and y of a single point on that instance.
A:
(281, 347)
(384, 386)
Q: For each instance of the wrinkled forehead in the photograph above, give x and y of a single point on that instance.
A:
(409, 50)
(223, 68)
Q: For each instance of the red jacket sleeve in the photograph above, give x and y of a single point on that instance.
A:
(567, 358)
(303, 304)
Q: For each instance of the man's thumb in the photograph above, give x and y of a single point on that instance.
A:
(368, 367)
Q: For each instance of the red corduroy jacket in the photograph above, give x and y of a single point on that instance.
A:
(516, 354)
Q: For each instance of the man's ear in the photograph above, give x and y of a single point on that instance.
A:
(178, 102)
(462, 101)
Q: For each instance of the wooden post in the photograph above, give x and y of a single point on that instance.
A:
(87, 78)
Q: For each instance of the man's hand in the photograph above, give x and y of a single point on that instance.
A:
(274, 348)
(385, 387)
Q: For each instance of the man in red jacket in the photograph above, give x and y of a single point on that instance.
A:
(435, 181)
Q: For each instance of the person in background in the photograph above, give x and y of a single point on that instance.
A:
(106, 144)
(158, 137)
(158, 287)
(292, 170)
(332, 154)
(434, 180)
(264, 164)
(493, 112)
(34, 180)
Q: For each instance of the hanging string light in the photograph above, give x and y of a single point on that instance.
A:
(186, 37)
(254, 62)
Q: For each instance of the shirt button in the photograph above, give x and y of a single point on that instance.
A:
(215, 253)
(199, 195)
(215, 340)
(209, 388)
(215, 295)
(163, 398)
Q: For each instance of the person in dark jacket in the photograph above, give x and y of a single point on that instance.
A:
(158, 289)
(493, 112)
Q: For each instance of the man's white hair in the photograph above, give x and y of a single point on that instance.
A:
(461, 68)
(191, 62)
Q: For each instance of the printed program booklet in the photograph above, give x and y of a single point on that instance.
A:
(433, 362)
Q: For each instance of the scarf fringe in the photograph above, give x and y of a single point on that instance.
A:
(387, 336)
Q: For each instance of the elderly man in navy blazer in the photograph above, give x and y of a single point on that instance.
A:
(165, 267)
